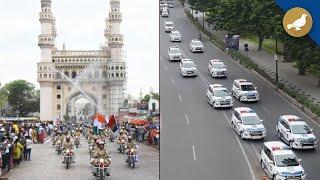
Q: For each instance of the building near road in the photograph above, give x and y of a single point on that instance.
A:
(65, 76)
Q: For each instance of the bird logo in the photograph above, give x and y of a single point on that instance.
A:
(297, 22)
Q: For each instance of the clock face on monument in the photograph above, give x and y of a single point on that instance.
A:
(302, 18)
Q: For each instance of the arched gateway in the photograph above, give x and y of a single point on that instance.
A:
(98, 75)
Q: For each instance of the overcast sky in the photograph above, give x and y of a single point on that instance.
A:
(80, 25)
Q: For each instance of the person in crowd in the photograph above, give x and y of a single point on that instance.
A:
(28, 149)
(17, 149)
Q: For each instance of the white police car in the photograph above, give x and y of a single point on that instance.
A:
(174, 53)
(175, 36)
(219, 96)
(280, 163)
(247, 123)
(196, 45)
(217, 68)
(244, 90)
(187, 68)
(296, 132)
(168, 26)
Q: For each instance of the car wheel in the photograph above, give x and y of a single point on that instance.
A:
(291, 144)
(262, 165)
(233, 126)
(279, 134)
(241, 135)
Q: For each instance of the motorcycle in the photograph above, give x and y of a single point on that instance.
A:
(77, 141)
(90, 150)
(121, 146)
(131, 158)
(68, 158)
(59, 147)
(111, 137)
(101, 170)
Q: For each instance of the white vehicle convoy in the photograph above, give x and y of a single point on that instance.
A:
(175, 36)
(196, 46)
(247, 123)
(168, 26)
(217, 68)
(244, 90)
(219, 96)
(174, 53)
(187, 68)
(295, 132)
(280, 163)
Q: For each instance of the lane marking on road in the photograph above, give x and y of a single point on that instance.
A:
(266, 109)
(47, 140)
(194, 153)
(242, 149)
(166, 67)
(188, 122)
(205, 81)
(180, 99)
(172, 81)
(255, 150)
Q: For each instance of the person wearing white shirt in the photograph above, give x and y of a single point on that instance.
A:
(28, 149)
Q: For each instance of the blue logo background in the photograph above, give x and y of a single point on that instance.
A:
(313, 6)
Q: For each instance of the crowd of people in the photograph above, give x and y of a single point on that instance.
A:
(149, 133)
(16, 139)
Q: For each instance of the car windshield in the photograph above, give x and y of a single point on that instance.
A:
(169, 24)
(300, 129)
(221, 93)
(218, 66)
(175, 34)
(285, 160)
(250, 120)
(247, 88)
(175, 50)
(188, 65)
(197, 43)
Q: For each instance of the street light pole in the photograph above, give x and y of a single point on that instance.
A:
(276, 59)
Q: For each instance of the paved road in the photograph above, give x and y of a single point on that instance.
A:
(46, 164)
(197, 141)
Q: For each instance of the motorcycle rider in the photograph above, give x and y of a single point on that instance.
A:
(101, 152)
(130, 145)
(69, 145)
(59, 137)
(77, 135)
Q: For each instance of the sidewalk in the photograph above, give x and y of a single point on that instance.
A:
(288, 75)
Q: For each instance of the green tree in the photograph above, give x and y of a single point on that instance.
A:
(146, 98)
(3, 98)
(22, 97)
(155, 96)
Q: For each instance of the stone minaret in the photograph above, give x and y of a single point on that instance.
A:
(46, 73)
(114, 41)
(113, 35)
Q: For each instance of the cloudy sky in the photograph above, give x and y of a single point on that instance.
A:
(80, 25)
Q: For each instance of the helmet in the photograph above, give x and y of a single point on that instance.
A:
(129, 138)
(95, 137)
(68, 138)
(101, 142)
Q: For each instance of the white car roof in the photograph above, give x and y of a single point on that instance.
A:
(217, 86)
(195, 40)
(174, 47)
(293, 120)
(186, 60)
(243, 82)
(278, 147)
(216, 61)
(168, 22)
(245, 111)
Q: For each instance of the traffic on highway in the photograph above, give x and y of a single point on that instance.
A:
(222, 121)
